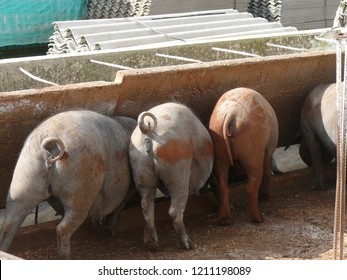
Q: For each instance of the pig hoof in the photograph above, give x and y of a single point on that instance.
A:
(225, 221)
(108, 229)
(108, 226)
(264, 197)
(319, 187)
(188, 244)
(258, 219)
(152, 246)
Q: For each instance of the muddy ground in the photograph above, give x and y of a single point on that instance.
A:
(298, 225)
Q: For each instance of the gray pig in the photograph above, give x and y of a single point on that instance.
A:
(169, 146)
(319, 128)
(79, 158)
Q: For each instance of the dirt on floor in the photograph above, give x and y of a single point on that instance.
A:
(298, 225)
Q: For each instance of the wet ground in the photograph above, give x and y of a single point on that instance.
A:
(298, 225)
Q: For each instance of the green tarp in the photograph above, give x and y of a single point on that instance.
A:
(24, 22)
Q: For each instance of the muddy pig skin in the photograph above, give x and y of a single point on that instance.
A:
(319, 129)
(244, 129)
(170, 149)
(78, 157)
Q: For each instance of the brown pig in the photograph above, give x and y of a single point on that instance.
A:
(244, 129)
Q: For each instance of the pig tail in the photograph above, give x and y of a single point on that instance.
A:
(52, 140)
(145, 127)
(228, 119)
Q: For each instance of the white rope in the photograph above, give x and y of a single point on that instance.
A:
(37, 78)
(340, 22)
(341, 15)
(178, 57)
(235, 52)
(110, 64)
(287, 47)
(340, 200)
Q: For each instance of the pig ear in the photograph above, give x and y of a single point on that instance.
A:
(47, 144)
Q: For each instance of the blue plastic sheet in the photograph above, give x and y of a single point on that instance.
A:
(24, 22)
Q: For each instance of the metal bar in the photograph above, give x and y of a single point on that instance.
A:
(235, 52)
(287, 47)
(110, 64)
(178, 57)
(37, 78)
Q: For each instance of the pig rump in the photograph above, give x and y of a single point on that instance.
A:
(170, 149)
(80, 158)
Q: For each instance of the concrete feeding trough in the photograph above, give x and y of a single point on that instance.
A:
(104, 65)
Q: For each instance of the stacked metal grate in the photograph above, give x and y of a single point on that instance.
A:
(98, 9)
(268, 9)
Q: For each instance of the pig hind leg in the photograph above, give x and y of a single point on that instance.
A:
(254, 169)
(147, 187)
(221, 171)
(304, 152)
(178, 185)
(313, 146)
(16, 212)
(267, 171)
(71, 221)
(75, 213)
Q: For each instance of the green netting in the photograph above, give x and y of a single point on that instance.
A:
(24, 22)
